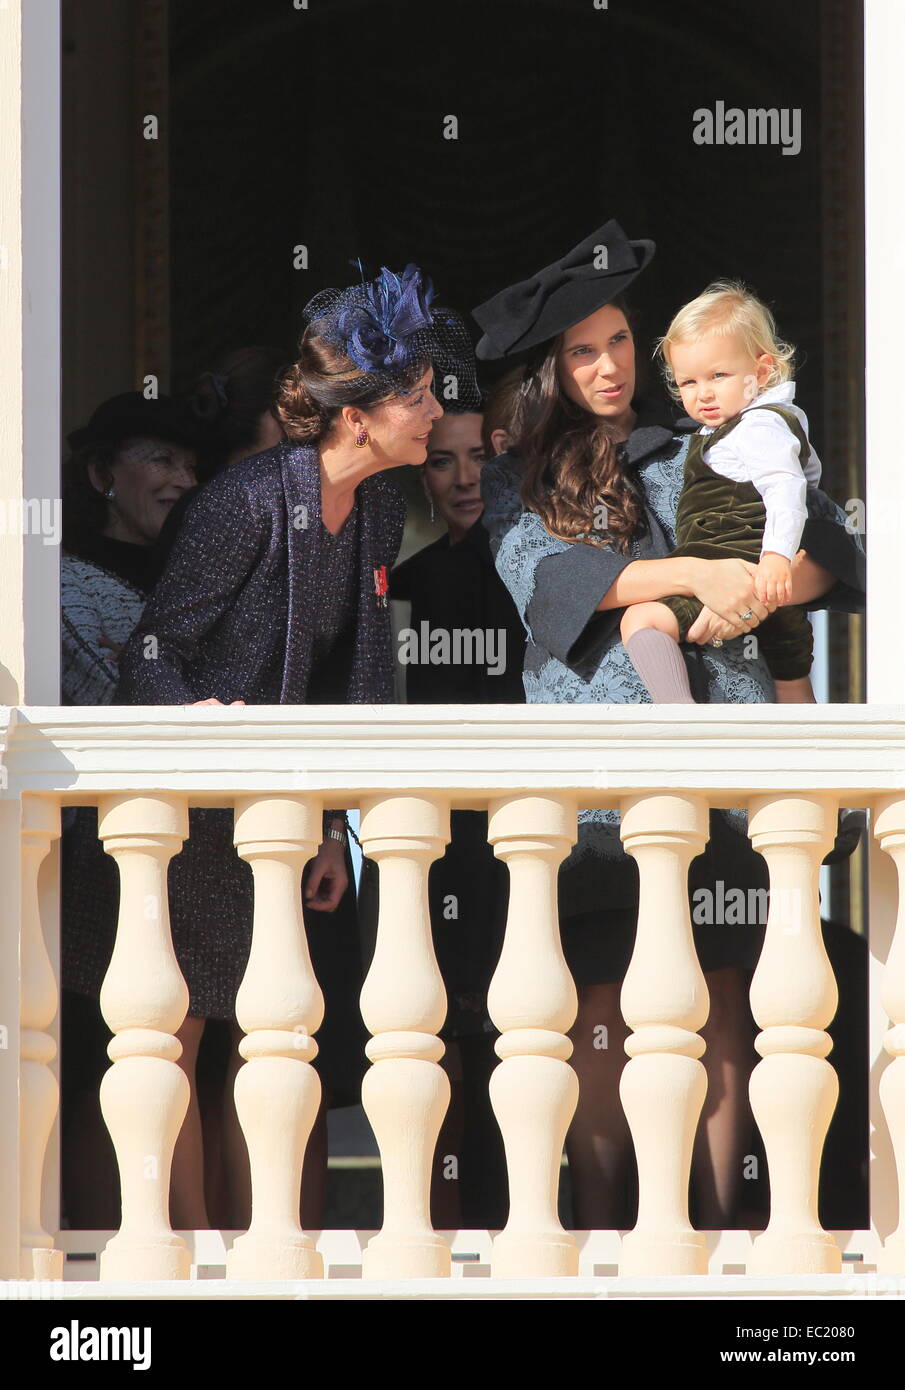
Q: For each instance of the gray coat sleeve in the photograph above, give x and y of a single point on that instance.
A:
(556, 587)
(563, 615)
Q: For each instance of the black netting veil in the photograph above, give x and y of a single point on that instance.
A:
(391, 329)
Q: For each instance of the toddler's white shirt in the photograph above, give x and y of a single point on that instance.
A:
(763, 450)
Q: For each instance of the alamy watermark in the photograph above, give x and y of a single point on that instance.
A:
(457, 646)
(78, 1343)
(738, 907)
(733, 125)
(32, 516)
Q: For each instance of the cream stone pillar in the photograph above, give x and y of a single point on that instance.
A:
(532, 1001)
(280, 1006)
(664, 1001)
(39, 1095)
(406, 1092)
(30, 127)
(793, 997)
(145, 1094)
(890, 831)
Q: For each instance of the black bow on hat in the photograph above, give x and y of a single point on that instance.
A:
(590, 275)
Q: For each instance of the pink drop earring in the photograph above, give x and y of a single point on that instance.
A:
(361, 438)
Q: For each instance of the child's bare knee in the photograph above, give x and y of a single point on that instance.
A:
(648, 615)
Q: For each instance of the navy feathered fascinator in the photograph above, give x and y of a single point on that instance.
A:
(389, 326)
(391, 308)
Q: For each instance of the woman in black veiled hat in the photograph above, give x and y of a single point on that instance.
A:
(581, 514)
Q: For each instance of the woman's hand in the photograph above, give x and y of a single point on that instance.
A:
(212, 701)
(327, 878)
(709, 627)
(726, 587)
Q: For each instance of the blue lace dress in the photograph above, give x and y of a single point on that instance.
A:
(574, 655)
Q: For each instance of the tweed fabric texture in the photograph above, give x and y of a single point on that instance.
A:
(250, 607)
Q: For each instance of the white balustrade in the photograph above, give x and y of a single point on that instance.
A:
(280, 1006)
(664, 1001)
(794, 1088)
(405, 1092)
(532, 1000)
(517, 764)
(39, 1093)
(145, 1094)
(890, 831)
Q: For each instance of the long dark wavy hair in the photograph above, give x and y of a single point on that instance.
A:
(572, 463)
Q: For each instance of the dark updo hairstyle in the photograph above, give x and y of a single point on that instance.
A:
(314, 390)
(229, 399)
(572, 462)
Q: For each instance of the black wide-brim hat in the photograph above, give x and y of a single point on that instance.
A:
(132, 416)
(592, 274)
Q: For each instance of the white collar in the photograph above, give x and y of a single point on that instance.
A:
(783, 394)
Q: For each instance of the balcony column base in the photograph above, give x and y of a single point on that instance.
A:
(546, 1253)
(682, 1252)
(394, 1257)
(794, 1254)
(127, 1259)
(42, 1263)
(263, 1257)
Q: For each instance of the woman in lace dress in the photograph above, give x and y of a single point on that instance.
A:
(601, 472)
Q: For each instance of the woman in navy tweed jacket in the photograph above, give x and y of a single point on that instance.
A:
(235, 614)
(276, 592)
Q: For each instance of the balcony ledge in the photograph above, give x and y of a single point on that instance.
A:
(465, 752)
(473, 1286)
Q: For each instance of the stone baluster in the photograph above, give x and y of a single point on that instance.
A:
(532, 1000)
(39, 1094)
(405, 1092)
(145, 1094)
(280, 1006)
(890, 831)
(793, 997)
(664, 1001)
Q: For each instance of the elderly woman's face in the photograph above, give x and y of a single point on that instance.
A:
(147, 477)
(596, 365)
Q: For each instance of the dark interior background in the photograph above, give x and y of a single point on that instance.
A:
(324, 127)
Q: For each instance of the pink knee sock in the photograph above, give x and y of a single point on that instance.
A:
(660, 664)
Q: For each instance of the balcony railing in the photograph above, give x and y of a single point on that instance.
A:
(532, 769)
